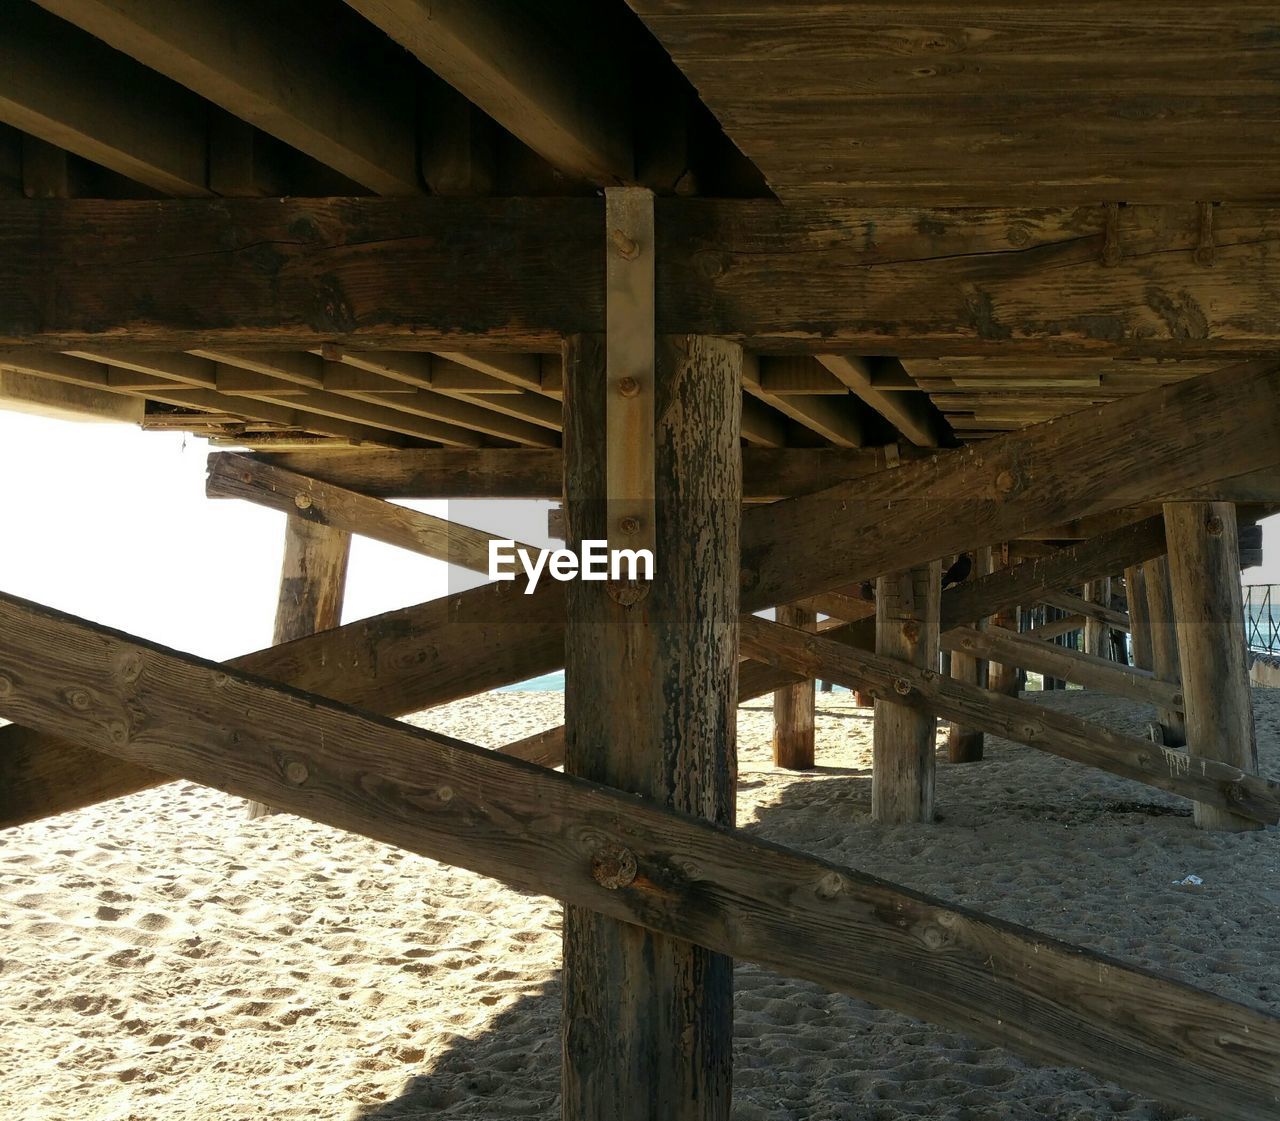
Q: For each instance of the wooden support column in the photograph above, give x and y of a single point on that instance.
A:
(1097, 641)
(903, 760)
(965, 745)
(1165, 663)
(313, 581)
(1006, 679)
(1204, 567)
(650, 708)
(793, 706)
(1135, 589)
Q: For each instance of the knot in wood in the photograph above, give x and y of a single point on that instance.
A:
(1214, 526)
(911, 630)
(831, 885)
(628, 387)
(302, 501)
(131, 667)
(613, 866)
(296, 772)
(79, 699)
(1006, 481)
(1018, 235)
(6, 685)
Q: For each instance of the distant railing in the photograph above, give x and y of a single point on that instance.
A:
(1262, 618)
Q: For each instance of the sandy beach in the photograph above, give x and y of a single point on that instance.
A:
(163, 958)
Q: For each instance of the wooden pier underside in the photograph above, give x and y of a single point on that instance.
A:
(883, 287)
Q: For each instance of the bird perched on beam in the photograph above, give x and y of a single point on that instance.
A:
(959, 571)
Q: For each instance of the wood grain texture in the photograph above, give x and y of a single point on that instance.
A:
(967, 744)
(904, 752)
(767, 473)
(793, 706)
(453, 274)
(313, 581)
(1204, 572)
(650, 708)
(1166, 663)
(539, 831)
(1011, 102)
(1020, 721)
(391, 663)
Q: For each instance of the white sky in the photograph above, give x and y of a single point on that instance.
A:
(111, 523)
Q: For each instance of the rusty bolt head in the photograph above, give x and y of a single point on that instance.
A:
(1005, 482)
(629, 525)
(628, 387)
(1214, 526)
(613, 866)
(901, 686)
(626, 247)
(302, 501)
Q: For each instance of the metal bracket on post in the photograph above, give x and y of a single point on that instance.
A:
(630, 349)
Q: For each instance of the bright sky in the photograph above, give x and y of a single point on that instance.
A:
(111, 523)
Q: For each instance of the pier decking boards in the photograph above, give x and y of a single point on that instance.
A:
(810, 301)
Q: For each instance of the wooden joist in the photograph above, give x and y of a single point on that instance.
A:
(70, 90)
(912, 414)
(971, 706)
(539, 831)
(248, 58)
(1067, 665)
(529, 77)
(1056, 628)
(832, 418)
(238, 476)
(382, 272)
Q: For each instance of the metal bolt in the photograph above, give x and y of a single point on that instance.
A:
(626, 247)
(1005, 482)
(302, 501)
(901, 686)
(296, 772)
(629, 525)
(613, 866)
(628, 387)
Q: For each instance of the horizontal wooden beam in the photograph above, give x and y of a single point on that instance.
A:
(539, 831)
(239, 476)
(768, 473)
(1055, 628)
(458, 274)
(1060, 733)
(999, 645)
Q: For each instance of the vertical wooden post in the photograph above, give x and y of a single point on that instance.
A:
(903, 760)
(793, 706)
(313, 580)
(651, 707)
(1204, 564)
(964, 745)
(1001, 678)
(1135, 588)
(1097, 638)
(1164, 643)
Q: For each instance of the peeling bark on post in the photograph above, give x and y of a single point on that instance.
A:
(313, 580)
(1164, 643)
(793, 706)
(651, 708)
(1204, 564)
(903, 761)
